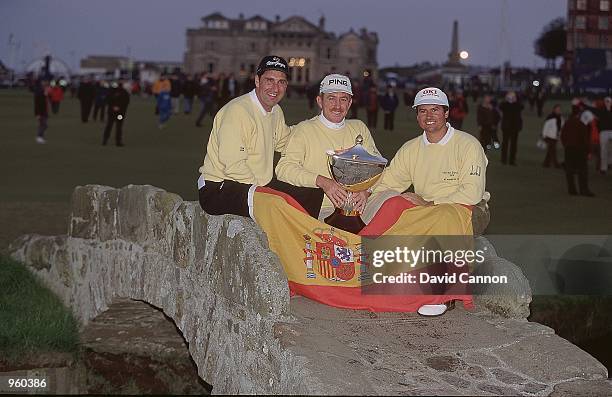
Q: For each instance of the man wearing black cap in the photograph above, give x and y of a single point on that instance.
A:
(117, 101)
(245, 134)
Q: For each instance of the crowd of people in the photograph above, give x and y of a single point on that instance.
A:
(174, 93)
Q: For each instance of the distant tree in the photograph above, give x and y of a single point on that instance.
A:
(552, 42)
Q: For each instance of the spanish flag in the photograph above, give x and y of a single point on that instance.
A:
(333, 267)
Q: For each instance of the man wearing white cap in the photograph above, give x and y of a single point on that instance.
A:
(304, 161)
(445, 165)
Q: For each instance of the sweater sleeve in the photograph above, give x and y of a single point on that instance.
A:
(233, 135)
(290, 167)
(397, 175)
(472, 177)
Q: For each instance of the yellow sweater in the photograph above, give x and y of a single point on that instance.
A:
(305, 156)
(243, 140)
(451, 171)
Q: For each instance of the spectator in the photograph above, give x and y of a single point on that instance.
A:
(205, 94)
(41, 110)
(86, 95)
(100, 100)
(550, 133)
(117, 102)
(56, 96)
(458, 109)
(372, 107)
(575, 139)
(511, 124)
(487, 120)
(389, 103)
(189, 91)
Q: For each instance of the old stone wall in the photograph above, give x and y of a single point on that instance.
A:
(215, 277)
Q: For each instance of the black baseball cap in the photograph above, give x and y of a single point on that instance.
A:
(273, 62)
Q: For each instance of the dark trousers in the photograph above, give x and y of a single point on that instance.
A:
(486, 133)
(55, 107)
(576, 163)
(98, 107)
(389, 117)
(551, 153)
(231, 197)
(509, 139)
(86, 105)
(206, 107)
(372, 118)
(42, 126)
(112, 119)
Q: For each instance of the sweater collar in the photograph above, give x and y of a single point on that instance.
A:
(447, 137)
(329, 124)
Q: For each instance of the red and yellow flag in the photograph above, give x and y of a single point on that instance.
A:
(330, 265)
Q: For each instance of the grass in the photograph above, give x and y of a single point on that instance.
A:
(32, 318)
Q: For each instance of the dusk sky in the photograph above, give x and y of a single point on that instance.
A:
(409, 31)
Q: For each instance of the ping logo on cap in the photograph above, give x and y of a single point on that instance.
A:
(338, 81)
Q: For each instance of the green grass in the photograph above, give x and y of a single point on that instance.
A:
(37, 180)
(32, 318)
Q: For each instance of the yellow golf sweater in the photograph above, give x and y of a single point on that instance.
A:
(450, 171)
(305, 156)
(243, 140)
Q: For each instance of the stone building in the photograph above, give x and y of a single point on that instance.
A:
(235, 46)
(588, 59)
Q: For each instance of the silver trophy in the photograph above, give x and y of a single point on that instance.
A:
(356, 170)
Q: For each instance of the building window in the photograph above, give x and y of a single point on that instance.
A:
(579, 40)
(603, 23)
(580, 22)
(253, 46)
(252, 68)
(581, 4)
(604, 5)
(211, 67)
(328, 53)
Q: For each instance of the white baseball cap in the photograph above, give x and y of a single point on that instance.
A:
(430, 96)
(335, 83)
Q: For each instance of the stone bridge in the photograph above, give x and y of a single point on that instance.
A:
(215, 277)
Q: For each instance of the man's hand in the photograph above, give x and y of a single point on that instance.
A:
(360, 200)
(333, 190)
(416, 199)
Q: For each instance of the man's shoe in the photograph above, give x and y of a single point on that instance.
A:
(436, 310)
(41, 140)
(119, 144)
(588, 193)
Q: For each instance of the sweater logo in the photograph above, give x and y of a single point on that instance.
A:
(448, 176)
(475, 170)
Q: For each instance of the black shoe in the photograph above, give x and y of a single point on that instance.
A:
(588, 193)
(119, 144)
(198, 125)
(103, 143)
(573, 193)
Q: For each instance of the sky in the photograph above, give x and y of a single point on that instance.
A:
(409, 31)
